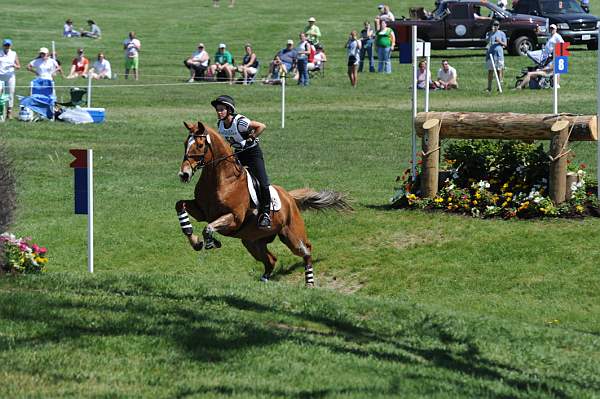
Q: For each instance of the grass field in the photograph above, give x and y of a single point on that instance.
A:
(408, 304)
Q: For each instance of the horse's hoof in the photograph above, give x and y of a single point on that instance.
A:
(310, 285)
(212, 243)
(264, 278)
(198, 246)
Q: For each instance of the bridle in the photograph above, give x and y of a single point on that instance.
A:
(200, 158)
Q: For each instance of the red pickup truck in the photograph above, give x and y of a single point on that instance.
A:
(464, 24)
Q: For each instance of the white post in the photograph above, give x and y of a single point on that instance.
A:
(89, 90)
(413, 167)
(90, 177)
(555, 94)
(496, 74)
(53, 50)
(427, 77)
(283, 100)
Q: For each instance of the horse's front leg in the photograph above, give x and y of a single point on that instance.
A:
(183, 207)
(224, 224)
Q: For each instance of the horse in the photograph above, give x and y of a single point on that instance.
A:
(222, 198)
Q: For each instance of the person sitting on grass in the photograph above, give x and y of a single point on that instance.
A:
(79, 66)
(446, 77)
(69, 30)
(94, 32)
(197, 64)
(546, 71)
(101, 68)
(223, 64)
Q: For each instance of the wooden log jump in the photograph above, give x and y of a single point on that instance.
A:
(560, 129)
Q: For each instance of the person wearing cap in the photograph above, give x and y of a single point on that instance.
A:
(313, 33)
(68, 30)
(79, 66)
(132, 47)
(384, 15)
(43, 66)
(197, 63)
(9, 62)
(242, 134)
(223, 64)
(249, 65)
(284, 61)
(495, 50)
(94, 32)
(101, 68)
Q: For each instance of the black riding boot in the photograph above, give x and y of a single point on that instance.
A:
(264, 215)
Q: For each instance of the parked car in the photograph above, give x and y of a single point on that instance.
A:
(573, 23)
(464, 24)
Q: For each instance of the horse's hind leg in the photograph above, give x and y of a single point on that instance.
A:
(260, 252)
(294, 236)
(183, 207)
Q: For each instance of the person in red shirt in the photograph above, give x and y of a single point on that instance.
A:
(79, 66)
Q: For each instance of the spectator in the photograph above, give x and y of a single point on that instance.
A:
(43, 66)
(585, 4)
(353, 46)
(303, 50)
(216, 3)
(101, 68)
(546, 71)
(313, 33)
(384, 15)
(424, 76)
(223, 64)
(249, 65)
(385, 41)
(79, 66)
(197, 63)
(541, 56)
(68, 30)
(132, 47)
(496, 42)
(9, 61)
(94, 31)
(285, 61)
(318, 59)
(446, 77)
(366, 38)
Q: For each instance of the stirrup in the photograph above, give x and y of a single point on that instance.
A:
(264, 221)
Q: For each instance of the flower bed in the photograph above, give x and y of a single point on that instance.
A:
(498, 179)
(22, 256)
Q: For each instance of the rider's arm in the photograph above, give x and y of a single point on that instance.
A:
(256, 128)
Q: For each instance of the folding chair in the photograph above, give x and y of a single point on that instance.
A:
(318, 72)
(4, 98)
(76, 97)
(42, 98)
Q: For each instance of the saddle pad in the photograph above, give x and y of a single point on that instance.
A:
(275, 201)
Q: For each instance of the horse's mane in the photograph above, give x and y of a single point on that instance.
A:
(218, 142)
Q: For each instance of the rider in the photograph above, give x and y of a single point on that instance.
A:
(242, 134)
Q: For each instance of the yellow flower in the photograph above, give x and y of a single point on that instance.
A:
(579, 208)
(475, 202)
(438, 200)
(508, 194)
(477, 195)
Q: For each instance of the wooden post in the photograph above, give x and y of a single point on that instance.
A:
(571, 178)
(558, 161)
(431, 158)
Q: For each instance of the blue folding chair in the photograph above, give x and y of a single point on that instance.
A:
(41, 98)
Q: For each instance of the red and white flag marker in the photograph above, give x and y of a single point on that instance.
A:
(83, 168)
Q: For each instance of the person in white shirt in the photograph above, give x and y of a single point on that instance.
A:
(68, 30)
(384, 15)
(9, 61)
(101, 68)
(43, 66)
(446, 77)
(197, 63)
(540, 57)
(319, 59)
(132, 47)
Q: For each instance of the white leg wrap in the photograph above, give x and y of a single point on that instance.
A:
(184, 222)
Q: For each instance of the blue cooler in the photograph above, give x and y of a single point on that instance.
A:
(97, 114)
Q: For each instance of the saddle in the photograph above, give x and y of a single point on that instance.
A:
(253, 188)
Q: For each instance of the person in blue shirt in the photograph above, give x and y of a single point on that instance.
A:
(496, 43)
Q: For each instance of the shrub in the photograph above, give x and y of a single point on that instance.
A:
(7, 195)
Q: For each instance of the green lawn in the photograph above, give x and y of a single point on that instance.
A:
(408, 304)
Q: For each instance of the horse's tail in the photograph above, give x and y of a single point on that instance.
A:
(326, 199)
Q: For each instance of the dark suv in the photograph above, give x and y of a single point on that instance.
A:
(464, 23)
(573, 23)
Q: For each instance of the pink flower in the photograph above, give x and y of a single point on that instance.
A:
(43, 250)
(35, 248)
(23, 247)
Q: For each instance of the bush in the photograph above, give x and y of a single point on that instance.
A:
(7, 196)
(498, 179)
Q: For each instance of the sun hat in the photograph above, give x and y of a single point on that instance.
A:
(312, 19)
(553, 26)
(222, 45)
(7, 42)
(201, 45)
(290, 41)
(44, 50)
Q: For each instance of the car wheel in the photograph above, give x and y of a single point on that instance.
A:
(522, 45)
(592, 45)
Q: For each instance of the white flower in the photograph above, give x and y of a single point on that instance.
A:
(537, 200)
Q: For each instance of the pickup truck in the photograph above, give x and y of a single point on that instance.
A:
(573, 23)
(464, 24)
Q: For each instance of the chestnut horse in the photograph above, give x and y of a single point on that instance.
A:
(221, 198)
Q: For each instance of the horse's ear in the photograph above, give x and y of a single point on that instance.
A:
(201, 128)
(188, 127)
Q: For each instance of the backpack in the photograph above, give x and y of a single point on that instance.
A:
(311, 55)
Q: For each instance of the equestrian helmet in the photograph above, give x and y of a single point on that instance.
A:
(227, 101)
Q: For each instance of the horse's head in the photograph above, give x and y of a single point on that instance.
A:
(196, 151)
